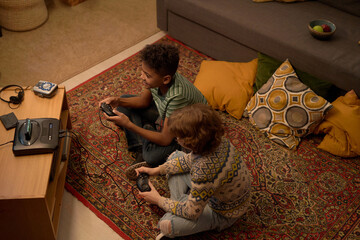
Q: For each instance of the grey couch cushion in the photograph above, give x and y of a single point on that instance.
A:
(350, 6)
(280, 30)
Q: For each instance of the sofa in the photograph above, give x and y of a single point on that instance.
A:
(237, 30)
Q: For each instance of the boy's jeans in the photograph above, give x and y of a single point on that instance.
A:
(153, 154)
(179, 186)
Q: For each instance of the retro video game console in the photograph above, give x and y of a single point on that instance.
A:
(45, 89)
(35, 136)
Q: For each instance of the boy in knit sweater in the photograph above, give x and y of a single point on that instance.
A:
(210, 187)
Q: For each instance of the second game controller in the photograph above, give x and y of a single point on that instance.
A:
(106, 108)
(142, 182)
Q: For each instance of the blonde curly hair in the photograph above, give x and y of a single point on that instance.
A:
(198, 127)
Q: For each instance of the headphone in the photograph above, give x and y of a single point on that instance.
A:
(14, 99)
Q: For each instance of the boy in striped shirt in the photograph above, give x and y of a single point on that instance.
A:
(144, 117)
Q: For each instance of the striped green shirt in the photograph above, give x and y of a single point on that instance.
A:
(181, 93)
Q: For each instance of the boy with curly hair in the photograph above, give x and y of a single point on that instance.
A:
(144, 117)
(210, 187)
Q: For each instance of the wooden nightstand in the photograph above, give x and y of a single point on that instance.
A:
(30, 202)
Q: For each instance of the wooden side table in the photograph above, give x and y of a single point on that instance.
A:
(30, 202)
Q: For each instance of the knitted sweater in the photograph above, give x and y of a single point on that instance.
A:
(220, 179)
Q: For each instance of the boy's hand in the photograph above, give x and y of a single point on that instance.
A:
(153, 196)
(121, 119)
(150, 171)
(112, 101)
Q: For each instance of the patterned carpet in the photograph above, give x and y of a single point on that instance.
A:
(302, 194)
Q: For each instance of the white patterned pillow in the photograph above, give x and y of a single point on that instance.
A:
(286, 109)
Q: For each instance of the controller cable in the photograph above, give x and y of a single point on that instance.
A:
(133, 186)
(75, 136)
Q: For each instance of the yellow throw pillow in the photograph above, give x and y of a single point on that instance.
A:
(227, 86)
(342, 127)
(285, 109)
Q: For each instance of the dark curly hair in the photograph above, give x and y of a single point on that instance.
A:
(163, 58)
(198, 126)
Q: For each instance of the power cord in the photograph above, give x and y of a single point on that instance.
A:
(6, 143)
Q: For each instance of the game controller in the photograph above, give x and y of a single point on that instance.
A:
(142, 182)
(106, 108)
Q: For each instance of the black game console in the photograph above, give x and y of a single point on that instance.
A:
(106, 108)
(142, 182)
(35, 136)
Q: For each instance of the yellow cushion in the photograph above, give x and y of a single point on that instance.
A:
(285, 109)
(227, 86)
(342, 127)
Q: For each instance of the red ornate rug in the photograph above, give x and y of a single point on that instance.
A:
(302, 194)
